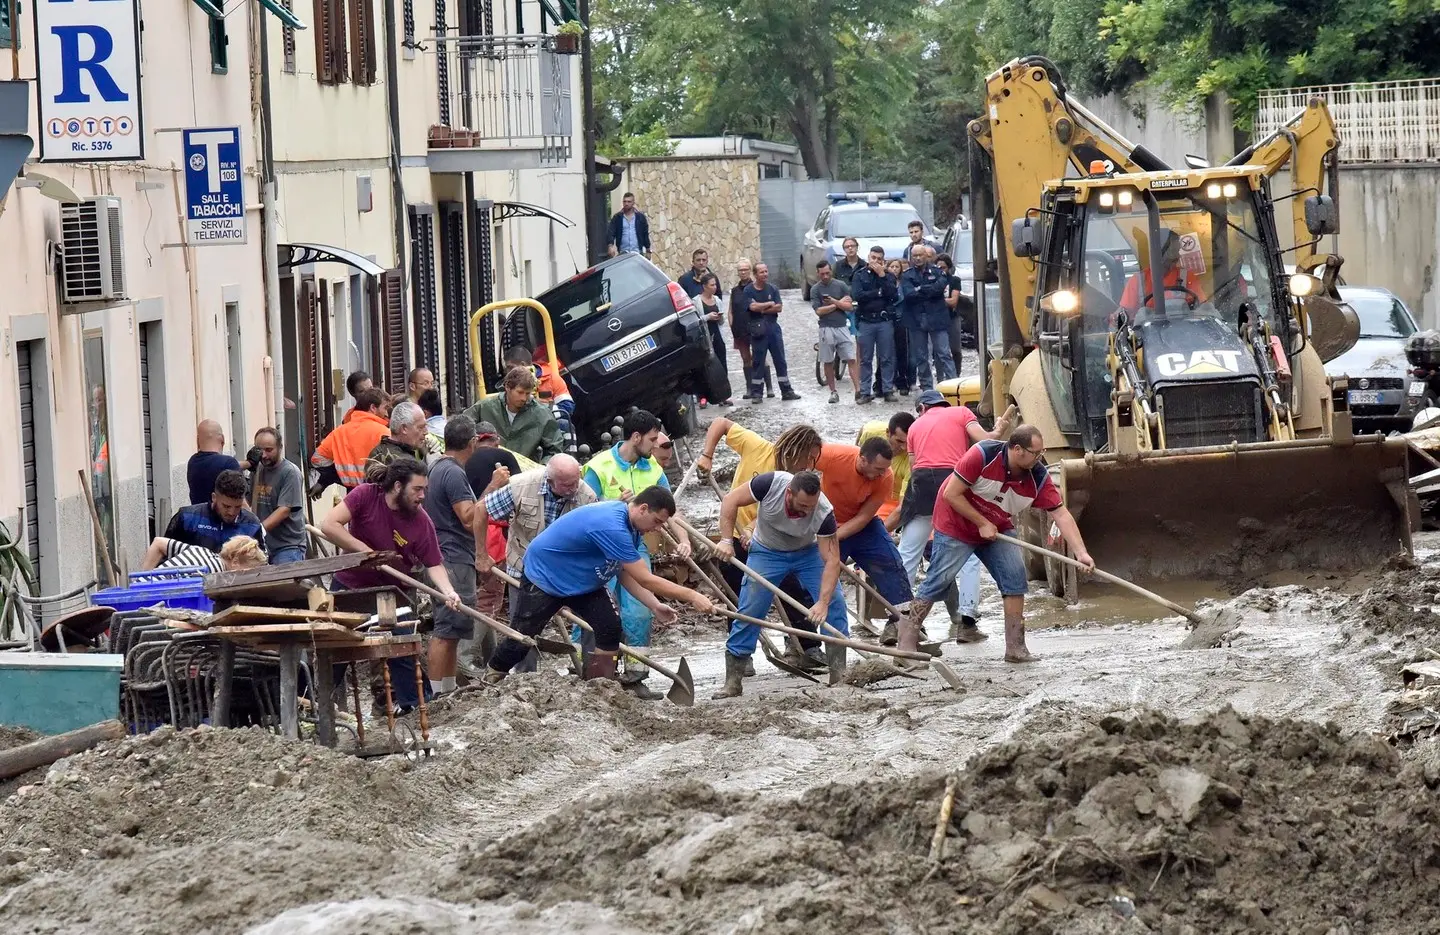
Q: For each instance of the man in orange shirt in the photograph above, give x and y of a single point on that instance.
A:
(857, 481)
(1138, 287)
(341, 457)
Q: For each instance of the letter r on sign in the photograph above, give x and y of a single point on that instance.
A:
(102, 44)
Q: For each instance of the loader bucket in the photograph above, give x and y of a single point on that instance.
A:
(1243, 515)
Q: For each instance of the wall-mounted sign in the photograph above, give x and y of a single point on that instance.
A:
(88, 80)
(214, 187)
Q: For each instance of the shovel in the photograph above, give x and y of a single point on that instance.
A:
(467, 611)
(1206, 629)
(772, 655)
(945, 671)
(827, 638)
(682, 685)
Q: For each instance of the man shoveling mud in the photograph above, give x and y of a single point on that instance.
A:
(993, 482)
(794, 534)
(570, 564)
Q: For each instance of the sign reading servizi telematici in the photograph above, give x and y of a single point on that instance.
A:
(214, 186)
(88, 80)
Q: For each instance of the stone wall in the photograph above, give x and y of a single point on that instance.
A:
(710, 202)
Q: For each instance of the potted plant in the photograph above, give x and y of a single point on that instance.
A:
(566, 39)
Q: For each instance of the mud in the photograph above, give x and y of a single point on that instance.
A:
(1107, 779)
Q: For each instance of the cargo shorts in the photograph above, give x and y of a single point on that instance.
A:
(836, 342)
(453, 624)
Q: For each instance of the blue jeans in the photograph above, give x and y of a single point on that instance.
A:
(288, 555)
(774, 567)
(1000, 557)
(926, 346)
(912, 548)
(877, 337)
(773, 343)
(877, 556)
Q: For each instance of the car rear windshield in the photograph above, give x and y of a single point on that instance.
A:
(1381, 316)
(872, 222)
(600, 290)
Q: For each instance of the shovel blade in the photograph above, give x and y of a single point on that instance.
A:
(556, 647)
(682, 687)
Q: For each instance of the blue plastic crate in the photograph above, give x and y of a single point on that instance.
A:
(181, 594)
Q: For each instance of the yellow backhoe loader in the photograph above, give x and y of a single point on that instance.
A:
(1192, 428)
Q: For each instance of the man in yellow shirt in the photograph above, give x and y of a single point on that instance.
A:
(895, 432)
(797, 449)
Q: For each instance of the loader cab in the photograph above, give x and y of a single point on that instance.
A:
(1103, 243)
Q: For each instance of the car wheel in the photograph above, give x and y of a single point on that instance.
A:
(714, 383)
(680, 418)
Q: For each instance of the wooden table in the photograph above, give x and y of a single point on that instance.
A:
(333, 644)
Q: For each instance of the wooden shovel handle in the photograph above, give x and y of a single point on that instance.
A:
(827, 638)
(1190, 615)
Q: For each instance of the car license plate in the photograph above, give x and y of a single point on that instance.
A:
(1417, 387)
(1364, 397)
(628, 353)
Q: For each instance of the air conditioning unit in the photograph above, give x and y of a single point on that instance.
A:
(93, 245)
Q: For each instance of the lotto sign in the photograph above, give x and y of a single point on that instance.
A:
(88, 80)
(214, 187)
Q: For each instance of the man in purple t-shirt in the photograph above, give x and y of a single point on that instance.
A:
(390, 517)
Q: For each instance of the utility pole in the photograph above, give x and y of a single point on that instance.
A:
(270, 250)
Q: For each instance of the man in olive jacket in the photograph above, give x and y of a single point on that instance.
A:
(527, 427)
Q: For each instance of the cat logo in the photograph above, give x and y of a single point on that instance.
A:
(1199, 363)
(1169, 183)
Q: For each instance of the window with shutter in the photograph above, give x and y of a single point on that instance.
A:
(6, 32)
(397, 361)
(407, 14)
(422, 286)
(477, 17)
(219, 45)
(309, 360)
(362, 41)
(331, 56)
(337, 40)
(287, 34)
(442, 66)
(458, 377)
(323, 332)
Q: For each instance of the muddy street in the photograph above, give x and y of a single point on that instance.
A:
(1279, 782)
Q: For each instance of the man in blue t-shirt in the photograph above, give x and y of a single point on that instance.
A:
(569, 564)
(761, 301)
(208, 461)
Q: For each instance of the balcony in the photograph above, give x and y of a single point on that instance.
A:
(1378, 122)
(505, 102)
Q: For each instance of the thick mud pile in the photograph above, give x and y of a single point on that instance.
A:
(169, 789)
(1227, 824)
(1400, 602)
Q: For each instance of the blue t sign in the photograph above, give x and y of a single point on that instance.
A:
(214, 187)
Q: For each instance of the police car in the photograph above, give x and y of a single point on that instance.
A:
(873, 218)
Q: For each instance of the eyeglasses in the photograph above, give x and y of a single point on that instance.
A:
(1038, 454)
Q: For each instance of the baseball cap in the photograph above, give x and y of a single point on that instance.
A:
(485, 431)
(931, 398)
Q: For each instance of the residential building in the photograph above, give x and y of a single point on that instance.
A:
(108, 366)
(775, 160)
(405, 205)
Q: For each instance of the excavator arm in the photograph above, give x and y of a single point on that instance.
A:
(1309, 144)
(1041, 134)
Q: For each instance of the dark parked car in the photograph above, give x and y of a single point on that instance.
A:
(629, 336)
(1384, 395)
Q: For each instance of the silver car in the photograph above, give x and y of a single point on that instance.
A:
(1383, 395)
(875, 219)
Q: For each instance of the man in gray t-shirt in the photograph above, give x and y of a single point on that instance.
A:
(277, 494)
(831, 300)
(795, 533)
(450, 503)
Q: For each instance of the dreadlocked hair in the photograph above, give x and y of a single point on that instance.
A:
(794, 448)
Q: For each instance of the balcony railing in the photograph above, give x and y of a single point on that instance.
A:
(1386, 121)
(503, 93)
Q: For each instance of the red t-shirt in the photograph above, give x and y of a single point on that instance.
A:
(383, 529)
(994, 491)
(939, 437)
(843, 486)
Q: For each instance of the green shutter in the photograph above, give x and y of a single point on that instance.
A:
(211, 9)
(285, 16)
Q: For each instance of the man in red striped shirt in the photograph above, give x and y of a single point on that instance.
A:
(993, 482)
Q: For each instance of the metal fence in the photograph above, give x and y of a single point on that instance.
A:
(1387, 121)
(503, 92)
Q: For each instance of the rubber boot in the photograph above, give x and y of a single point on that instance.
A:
(749, 672)
(1015, 649)
(810, 660)
(890, 635)
(633, 681)
(733, 687)
(493, 676)
(599, 665)
(835, 659)
(769, 383)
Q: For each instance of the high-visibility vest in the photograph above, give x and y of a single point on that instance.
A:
(616, 478)
(350, 445)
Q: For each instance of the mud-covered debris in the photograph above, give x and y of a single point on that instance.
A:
(869, 672)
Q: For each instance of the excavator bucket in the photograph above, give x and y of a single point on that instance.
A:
(1243, 515)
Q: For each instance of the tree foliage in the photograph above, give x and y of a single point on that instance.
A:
(1192, 49)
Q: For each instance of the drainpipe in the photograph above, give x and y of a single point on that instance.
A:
(270, 231)
(397, 184)
(594, 239)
